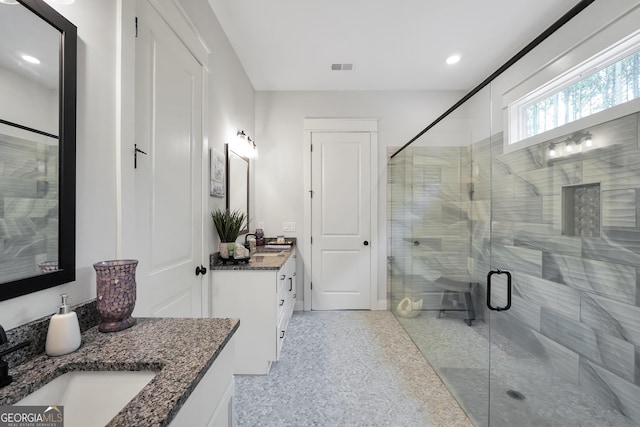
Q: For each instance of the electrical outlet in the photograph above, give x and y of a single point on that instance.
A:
(288, 226)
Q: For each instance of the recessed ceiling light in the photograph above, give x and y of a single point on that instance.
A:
(31, 59)
(453, 59)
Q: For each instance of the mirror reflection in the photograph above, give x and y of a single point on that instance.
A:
(29, 69)
(37, 148)
(238, 184)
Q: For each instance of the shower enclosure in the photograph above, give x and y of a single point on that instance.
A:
(514, 267)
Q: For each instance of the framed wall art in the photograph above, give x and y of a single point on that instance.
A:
(217, 173)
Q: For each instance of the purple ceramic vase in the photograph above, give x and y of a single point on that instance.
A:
(116, 294)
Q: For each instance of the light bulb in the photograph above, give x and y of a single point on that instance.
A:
(552, 152)
(588, 142)
(568, 148)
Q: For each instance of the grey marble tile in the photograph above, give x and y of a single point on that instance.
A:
(552, 211)
(606, 350)
(621, 394)
(616, 246)
(527, 209)
(515, 259)
(554, 296)
(619, 208)
(520, 161)
(538, 182)
(616, 281)
(563, 361)
(545, 238)
(616, 171)
(612, 317)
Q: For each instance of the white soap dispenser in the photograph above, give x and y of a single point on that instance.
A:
(63, 335)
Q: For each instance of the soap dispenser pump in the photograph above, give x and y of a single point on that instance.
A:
(63, 335)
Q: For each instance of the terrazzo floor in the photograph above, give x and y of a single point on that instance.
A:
(460, 355)
(347, 368)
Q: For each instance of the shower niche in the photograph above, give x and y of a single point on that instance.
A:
(581, 210)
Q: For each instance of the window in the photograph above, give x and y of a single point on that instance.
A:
(607, 80)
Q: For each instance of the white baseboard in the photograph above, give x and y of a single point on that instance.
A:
(382, 305)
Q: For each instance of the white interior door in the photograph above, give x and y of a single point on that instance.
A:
(168, 183)
(341, 220)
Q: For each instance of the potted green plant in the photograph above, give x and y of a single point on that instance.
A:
(228, 225)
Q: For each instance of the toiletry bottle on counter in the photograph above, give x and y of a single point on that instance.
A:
(63, 335)
(259, 237)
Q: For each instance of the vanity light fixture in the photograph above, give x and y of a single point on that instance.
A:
(245, 145)
(552, 150)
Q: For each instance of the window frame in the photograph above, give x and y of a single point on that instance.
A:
(515, 110)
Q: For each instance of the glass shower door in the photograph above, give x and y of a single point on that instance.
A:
(564, 226)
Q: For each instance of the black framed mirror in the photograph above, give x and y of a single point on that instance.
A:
(237, 183)
(38, 49)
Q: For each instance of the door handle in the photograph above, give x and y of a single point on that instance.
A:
(290, 284)
(489, 276)
(366, 243)
(201, 270)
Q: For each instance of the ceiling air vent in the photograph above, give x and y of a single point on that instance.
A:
(341, 67)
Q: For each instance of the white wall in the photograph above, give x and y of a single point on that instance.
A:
(231, 106)
(230, 96)
(27, 102)
(279, 192)
(95, 189)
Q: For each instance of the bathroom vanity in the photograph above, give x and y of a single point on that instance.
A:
(192, 360)
(262, 294)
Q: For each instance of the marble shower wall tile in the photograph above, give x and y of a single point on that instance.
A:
(617, 246)
(621, 394)
(607, 351)
(516, 259)
(560, 299)
(611, 317)
(619, 208)
(615, 281)
(527, 209)
(562, 360)
(545, 238)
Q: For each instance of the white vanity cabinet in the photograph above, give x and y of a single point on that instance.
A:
(263, 300)
(211, 402)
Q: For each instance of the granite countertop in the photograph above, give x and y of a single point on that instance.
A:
(180, 350)
(263, 259)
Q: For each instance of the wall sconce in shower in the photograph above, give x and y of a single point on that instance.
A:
(572, 145)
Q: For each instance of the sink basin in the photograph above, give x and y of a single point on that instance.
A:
(90, 395)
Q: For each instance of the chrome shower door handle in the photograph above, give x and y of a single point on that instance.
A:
(489, 276)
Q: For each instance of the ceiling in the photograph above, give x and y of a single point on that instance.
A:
(392, 44)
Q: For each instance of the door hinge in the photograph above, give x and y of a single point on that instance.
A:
(311, 193)
(311, 285)
(312, 240)
(136, 26)
(311, 147)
